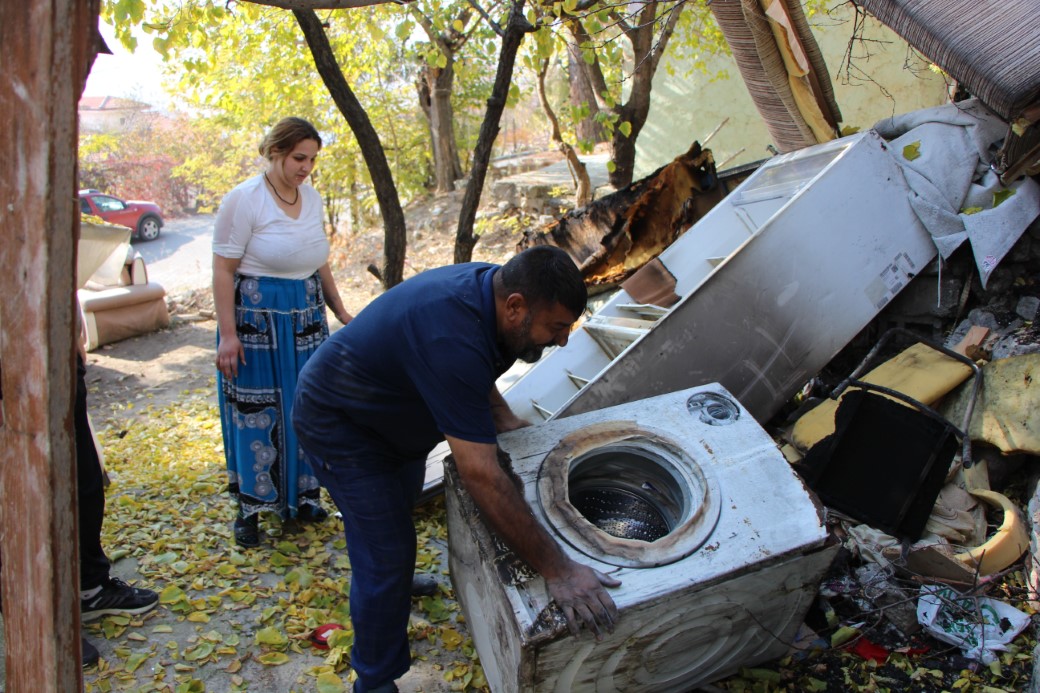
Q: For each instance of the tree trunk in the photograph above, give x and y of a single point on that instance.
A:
(514, 36)
(588, 129)
(633, 111)
(46, 49)
(435, 96)
(442, 125)
(394, 230)
(593, 71)
(647, 49)
(623, 147)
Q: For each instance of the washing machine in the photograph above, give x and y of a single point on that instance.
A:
(685, 499)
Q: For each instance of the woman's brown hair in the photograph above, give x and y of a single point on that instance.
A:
(286, 134)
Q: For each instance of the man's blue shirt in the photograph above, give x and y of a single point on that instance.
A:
(417, 363)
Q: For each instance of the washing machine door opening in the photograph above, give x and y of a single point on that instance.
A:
(627, 496)
(626, 493)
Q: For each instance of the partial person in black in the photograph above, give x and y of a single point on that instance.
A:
(101, 593)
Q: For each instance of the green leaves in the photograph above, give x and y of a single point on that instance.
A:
(912, 151)
(127, 11)
(1002, 195)
(404, 30)
(199, 652)
(273, 659)
(271, 637)
(329, 682)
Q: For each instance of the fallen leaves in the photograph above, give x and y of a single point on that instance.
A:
(912, 151)
(229, 618)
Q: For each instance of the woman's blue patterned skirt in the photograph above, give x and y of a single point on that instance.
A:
(280, 323)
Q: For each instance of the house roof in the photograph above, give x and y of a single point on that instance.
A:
(111, 103)
(991, 49)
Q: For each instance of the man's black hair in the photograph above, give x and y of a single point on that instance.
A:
(545, 275)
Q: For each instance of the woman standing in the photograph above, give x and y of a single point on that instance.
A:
(271, 283)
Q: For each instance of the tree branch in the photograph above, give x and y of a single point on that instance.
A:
(431, 33)
(305, 5)
(666, 33)
(516, 27)
(495, 26)
(621, 22)
(579, 173)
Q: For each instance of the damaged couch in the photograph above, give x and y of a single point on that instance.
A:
(116, 300)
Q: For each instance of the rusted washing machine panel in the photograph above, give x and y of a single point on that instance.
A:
(686, 500)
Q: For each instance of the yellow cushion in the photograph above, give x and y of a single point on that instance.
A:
(919, 372)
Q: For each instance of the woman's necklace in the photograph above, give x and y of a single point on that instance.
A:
(297, 198)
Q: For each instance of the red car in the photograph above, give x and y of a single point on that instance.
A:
(143, 218)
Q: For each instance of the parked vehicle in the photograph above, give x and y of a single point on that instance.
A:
(143, 218)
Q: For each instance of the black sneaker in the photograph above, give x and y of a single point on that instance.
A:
(117, 597)
(90, 653)
(386, 688)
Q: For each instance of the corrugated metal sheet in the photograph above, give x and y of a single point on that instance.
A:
(992, 48)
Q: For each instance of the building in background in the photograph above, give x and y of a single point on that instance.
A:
(112, 114)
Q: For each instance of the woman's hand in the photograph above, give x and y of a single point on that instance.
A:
(343, 316)
(229, 353)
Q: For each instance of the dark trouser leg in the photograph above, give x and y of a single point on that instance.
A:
(376, 499)
(93, 563)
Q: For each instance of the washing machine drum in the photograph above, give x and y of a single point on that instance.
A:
(627, 495)
(620, 512)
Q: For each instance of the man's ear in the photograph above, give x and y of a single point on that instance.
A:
(516, 307)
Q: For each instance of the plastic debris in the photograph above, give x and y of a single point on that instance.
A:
(980, 626)
(320, 636)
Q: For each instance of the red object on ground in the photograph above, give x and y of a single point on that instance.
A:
(868, 650)
(320, 637)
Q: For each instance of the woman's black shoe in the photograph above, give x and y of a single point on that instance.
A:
(311, 513)
(247, 531)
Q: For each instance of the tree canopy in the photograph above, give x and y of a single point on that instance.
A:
(403, 91)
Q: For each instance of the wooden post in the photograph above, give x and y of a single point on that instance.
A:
(46, 48)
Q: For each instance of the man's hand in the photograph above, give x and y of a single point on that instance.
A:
(577, 588)
(502, 415)
(508, 421)
(579, 593)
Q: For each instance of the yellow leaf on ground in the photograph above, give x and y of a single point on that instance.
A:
(451, 638)
(273, 659)
(330, 683)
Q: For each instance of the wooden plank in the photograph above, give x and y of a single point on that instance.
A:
(45, 50)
